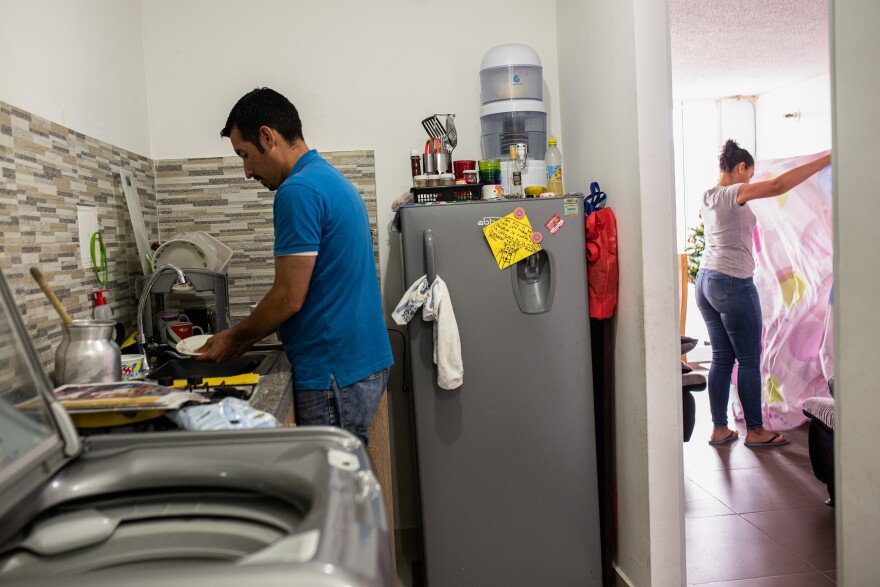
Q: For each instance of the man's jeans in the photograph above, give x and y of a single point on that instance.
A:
(732, 311)
(351, 408)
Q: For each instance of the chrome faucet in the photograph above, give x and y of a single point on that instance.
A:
(182, 284)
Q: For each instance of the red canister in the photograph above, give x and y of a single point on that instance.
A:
(461, 166)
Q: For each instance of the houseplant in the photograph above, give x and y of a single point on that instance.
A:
(694, 249)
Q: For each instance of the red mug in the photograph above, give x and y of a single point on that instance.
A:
(177, 331)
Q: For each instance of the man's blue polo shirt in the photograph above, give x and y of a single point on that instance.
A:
(340, 329)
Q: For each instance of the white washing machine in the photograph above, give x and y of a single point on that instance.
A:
(258, 507)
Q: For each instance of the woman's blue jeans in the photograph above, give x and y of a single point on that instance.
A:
(351, 407)
(731, 310)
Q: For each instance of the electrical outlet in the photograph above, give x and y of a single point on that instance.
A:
(87, 221)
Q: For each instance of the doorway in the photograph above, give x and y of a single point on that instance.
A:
(748, 514)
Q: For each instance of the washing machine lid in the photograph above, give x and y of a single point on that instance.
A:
(37, 437)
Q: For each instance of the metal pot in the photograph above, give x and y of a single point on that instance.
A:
(87, 353)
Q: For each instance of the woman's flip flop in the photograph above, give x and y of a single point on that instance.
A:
(771, 442)
(732, 436)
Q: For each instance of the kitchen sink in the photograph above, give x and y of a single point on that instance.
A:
(259, 362)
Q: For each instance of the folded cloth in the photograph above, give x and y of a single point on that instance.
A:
(436, 305)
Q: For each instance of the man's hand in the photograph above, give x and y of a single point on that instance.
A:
(222, 346)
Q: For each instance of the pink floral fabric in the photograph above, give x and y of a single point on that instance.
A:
(793, 275)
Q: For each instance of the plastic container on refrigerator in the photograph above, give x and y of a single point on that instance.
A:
(508, 123)
(511, 72)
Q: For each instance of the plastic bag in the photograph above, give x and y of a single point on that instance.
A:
(229, 413)
(602, 271)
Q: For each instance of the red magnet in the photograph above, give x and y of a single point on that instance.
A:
(537, 237)
(519, 213)
(554, 224)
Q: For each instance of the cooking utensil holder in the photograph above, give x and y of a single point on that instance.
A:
(436, 163)
(443, 162)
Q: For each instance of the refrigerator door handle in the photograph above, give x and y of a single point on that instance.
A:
(429, 256)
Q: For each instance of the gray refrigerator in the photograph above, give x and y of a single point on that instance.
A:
(506, 462)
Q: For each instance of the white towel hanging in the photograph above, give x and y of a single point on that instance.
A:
(436, 304)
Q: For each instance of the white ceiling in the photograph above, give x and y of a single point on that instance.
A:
(745, 47)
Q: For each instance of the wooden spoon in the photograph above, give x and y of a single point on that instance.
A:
(41, 281)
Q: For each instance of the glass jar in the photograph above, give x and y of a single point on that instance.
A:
(415, 163)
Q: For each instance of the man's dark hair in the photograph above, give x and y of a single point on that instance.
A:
(263, 107)
(732, 155)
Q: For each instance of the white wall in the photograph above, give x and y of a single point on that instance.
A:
(790, 137)
(736, 121)
(361, 74)
(79, 64)
(699, 131)
(696, 135)
(617, 111)
(856, 85)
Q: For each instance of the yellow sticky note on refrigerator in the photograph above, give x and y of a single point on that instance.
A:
(512, 239)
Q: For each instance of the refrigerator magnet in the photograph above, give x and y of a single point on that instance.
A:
(570, 206)
(554, 224)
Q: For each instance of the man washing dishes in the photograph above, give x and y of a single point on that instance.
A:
(325, 299)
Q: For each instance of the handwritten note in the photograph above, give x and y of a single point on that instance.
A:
(512, 239)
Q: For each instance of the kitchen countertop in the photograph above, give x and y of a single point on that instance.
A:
(274, 393)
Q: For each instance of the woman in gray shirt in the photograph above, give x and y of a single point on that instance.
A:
(726, 294)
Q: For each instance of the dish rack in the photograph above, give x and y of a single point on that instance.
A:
(198, 250)
(447, 193)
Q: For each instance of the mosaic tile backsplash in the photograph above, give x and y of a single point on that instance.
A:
(46, 170)
(213, 195)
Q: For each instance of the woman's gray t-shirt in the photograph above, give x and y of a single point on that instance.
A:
(729, 228)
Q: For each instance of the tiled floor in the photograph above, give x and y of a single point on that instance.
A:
(755, 517)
